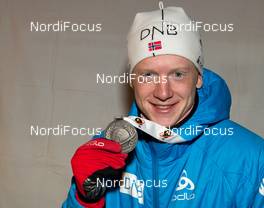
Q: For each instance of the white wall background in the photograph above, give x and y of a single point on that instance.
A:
(48, 78)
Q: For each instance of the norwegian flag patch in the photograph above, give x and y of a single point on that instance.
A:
(154, 46)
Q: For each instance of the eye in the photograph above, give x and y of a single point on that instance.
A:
(147, 74)
(178, 75)
(148, 77)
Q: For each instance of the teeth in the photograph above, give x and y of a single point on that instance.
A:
(163, 106)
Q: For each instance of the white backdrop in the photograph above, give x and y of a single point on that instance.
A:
(49, 78)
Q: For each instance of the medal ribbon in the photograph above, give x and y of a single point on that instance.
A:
(155, 130)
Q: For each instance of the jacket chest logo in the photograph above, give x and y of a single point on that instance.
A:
(185, 188)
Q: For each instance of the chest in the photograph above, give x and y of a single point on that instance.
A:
(189, 181)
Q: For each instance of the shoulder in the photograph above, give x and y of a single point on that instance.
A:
(241, 137)
(241, 160)
(237, 150)
(236, 156)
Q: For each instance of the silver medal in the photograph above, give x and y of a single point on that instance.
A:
(122, 132)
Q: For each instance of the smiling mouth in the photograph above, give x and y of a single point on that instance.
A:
(163, 108)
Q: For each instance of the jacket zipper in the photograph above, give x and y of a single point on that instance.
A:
(155, 178)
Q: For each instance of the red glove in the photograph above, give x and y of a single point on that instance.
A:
(93, 159)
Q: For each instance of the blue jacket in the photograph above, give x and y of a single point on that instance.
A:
(220, 165)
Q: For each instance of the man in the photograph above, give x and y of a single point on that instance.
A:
(202, 159)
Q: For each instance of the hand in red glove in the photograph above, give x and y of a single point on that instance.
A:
(97, 159)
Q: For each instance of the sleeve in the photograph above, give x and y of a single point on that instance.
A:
(250, 191)
(259, 198)
(71, 201)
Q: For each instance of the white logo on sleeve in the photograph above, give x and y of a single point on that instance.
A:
(185, 188)
(131, 185)
(261, 187)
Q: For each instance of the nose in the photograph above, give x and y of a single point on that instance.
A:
(163, 91)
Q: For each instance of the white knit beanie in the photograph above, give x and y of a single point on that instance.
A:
(164, 31)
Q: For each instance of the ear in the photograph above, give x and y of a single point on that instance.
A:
(199, 82)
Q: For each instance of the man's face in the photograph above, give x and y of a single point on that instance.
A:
(165, 87)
